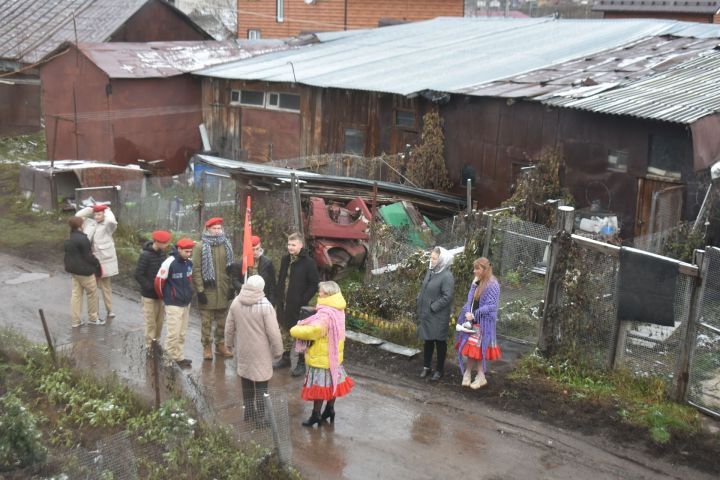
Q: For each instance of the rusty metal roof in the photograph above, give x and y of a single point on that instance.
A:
(453, 55)
(682, 94)
(679, 6)
(352, 186)
(167, 59)
(609, 68)
(30, 29)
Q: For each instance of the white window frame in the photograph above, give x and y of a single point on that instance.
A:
(277, 107)
(254, 34)
(280, 11)
(239, 101)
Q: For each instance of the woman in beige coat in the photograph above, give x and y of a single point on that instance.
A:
(252, 329)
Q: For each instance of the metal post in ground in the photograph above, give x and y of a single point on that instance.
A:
(201, 202)
(274, 428)
(156, 353)
(682, 371)
(51, 347)
(488, 236)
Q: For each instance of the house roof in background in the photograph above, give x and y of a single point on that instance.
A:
(30, 29)
(167, 59)
(678, 6)
(450, 55)
(682, 94)
(599, 71)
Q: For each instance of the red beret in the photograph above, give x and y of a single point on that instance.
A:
(213, 221)
(161, 236)
(99, 208)
(185, 243)
(255, 240)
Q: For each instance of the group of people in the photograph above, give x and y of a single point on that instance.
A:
(243, 309)
(475, 338)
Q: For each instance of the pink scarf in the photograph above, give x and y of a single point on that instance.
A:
(332, 322)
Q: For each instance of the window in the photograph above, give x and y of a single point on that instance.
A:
(253, 34)
(666, 155)
(283, 101)
(618, 160)
(354, 141)
(280, 10)
(405, 119)
(248, 97)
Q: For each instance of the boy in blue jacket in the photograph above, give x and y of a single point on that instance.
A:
(173, 284)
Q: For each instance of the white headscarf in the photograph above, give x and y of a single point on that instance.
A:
(445, 259)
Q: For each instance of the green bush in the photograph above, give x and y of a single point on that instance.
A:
(20, 444)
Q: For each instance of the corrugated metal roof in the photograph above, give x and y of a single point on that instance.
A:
(256, 170)
(682, 94)
(454, 55)
(30, 29)
(617, 66)
(167, 59)
(684, 6)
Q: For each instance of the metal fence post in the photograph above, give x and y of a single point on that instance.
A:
(682, 372)
(201, 202)
(274, 428)
(488, 236)
(565, 222)
(51, 347)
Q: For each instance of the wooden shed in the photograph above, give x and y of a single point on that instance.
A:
(30, 30)
(124, 102)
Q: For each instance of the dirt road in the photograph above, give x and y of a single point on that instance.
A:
(387, 428)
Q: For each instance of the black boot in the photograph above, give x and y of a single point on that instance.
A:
(314, 418)
(329, 412)
(299, 370)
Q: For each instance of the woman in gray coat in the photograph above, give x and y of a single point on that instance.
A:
(434, 303)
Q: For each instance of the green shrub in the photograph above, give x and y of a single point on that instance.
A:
(20, 444)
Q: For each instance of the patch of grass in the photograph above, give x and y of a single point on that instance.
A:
(24, 148)
(76, 409)
(21, 229)
(640, 401)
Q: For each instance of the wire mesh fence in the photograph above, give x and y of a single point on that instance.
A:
(704, 381)
(587, 305)
(518, 252)
(653, 349)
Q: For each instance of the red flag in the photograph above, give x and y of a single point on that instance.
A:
(247, 251)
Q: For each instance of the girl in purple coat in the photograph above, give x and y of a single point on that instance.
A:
(476, 341)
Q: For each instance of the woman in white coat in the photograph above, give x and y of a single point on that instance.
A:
(99, 226)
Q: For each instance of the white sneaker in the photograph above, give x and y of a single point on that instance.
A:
(79, 324)
(479, 382)
(99, 321)
(110, 315)
(467, 377)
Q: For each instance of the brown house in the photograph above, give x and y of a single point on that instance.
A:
(121, 102)
(702, 11)
(499, 111)
(30, 30)
(285, 18)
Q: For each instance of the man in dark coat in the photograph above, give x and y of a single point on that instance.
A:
(263, 267)
(152, 256)
(80, 262)
(297, 285)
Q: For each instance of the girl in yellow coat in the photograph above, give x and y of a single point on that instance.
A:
(322, 338)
